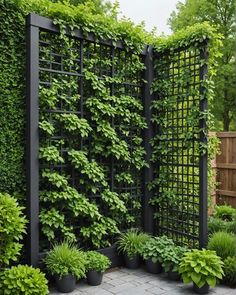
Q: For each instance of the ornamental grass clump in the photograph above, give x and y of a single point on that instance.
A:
(131, 242)
(230, 271)
(202, 267)
(23, 279)
(66, 259)
(223, 243)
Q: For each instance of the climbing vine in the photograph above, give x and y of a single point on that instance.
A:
(181, 83)
(91, 148)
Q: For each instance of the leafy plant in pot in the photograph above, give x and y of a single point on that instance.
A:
(152, 253)
(96, 264)
(171, 258)
(130, 244)
(202, 267)
(66, 263)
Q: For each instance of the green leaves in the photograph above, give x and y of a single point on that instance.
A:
(201, 267)
(23, 279)
(96, 261)
(156, 248)
(12, 228)
(73, 123)
(50, 154)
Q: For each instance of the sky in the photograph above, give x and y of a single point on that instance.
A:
(155, 13)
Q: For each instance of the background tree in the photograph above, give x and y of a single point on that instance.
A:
(221, 14)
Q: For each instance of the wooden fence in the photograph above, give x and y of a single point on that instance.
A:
(226, 169)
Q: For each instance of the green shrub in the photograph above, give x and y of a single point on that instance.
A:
(23, 279)
(64, 259)
(131, 242)
(223, 243)
(201, 267)
(225, 212)
(215, 225)
(155, 247)
(230, 271)
(231, 226)
(96, 261)
(12, 227)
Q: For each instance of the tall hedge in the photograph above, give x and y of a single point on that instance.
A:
(12, 99)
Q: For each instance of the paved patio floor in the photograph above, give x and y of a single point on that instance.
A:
(138, 282)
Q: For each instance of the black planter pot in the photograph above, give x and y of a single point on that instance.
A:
(202, 290)
(153, 267)
(94, 278)
(174, 275)
(132, 263)
(66, 284)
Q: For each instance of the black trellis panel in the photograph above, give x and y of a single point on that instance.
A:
(181, 193)
(45, 63)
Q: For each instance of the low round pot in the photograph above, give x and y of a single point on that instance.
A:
(173, 275)
(94, 278)
(153, 267)
(65, 284)
(132, 263)
(203, 290)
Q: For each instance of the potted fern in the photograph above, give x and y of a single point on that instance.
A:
(152, 253)
(130, 244)
(66, 263)
(202, 267)
(96, 264)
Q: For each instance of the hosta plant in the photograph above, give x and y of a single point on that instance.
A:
(23, 279)
(155, 248)
(96, 261)
(131, 242)
(201, 267)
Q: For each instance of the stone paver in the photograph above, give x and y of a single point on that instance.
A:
(138, 282)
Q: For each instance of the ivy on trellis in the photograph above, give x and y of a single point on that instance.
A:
(91, 149)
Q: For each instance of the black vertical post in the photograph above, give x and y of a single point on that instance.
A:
(203, 167)
(148, 135)
(32, 164)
